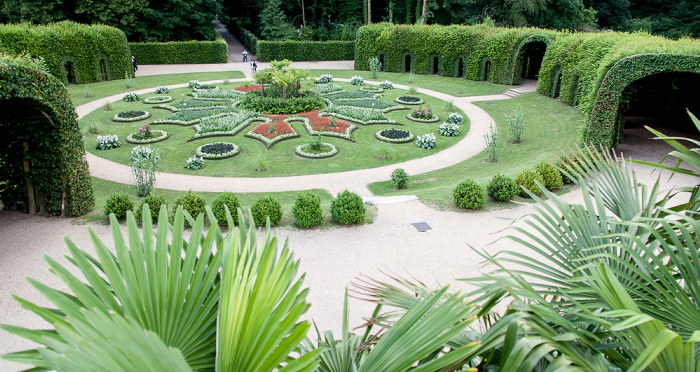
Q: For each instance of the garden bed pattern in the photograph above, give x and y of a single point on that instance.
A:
(323, 125)
(277, 129)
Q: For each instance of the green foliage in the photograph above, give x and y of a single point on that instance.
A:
(192, 203)
(469, 195)
(246, 37)
(180, 52)
(272, 23)
(305, 50)
(307, 101)
(264, 207)
(64, 43)
(144, 163)
(218, 207)
(348, 208)
(307, 209)
(118, 203)
(494, 144)
(399, 178)
(502, 188)
(374, 66)
(550, 175)
(526, 179)
(154, 203)
(516, 125)
(56, 152)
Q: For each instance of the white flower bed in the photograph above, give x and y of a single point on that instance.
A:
(232, 124)
(306, 122)
(357, 80)
(158, 99)
(217, 94)
(299, 150)
(379, 136)
(159, 136)
(145, 115)
(205, 155)
(426, 141)
(190, 122)
(448, 129)
(329, 88)
(360, 115)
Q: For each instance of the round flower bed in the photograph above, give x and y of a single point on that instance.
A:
(423, 115)
(217, 150)
(158, 99)
(156, 136)
(394, 135)
(326, 150)
(409, 100)
(372, 89)
(131, 116)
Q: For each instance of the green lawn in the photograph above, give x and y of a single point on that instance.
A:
(280, 158)
(551, 126)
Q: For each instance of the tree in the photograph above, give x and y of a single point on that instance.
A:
(36, 11)
(273, 22)
(611, 13)
(172, 20)
(116, 13)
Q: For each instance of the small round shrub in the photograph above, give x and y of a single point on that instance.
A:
(118, 203)
(264, 207)
(502, 188)
(399, 178)
(469, 195)
(307, 209)
(348, 208)
(192, 203)
(526, 179)
(549, 174)
(154, 203)
(225, 199)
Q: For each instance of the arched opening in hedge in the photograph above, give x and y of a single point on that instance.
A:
(70, 72)
(556, 84)
(103, 70)
(381, 61)
(532, 56)
(434, 64)
(42, 157)
(459, 67)
(407, 63)
(487, 71)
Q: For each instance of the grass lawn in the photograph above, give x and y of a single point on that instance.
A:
(279, 158)
(551, 126)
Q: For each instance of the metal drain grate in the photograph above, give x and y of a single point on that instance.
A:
(421, 226)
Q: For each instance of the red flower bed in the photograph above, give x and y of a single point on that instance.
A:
(277, 127)
(324, 123)
(249, 88)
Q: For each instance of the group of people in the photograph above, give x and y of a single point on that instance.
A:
(253, 64)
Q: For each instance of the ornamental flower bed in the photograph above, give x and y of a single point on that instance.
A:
(128, 116)
(195, 105)
(423, 115)
(409, 100)
(372, 89)
(227, 125)
(107, 142)
(248, 88)
(394, 135)
(189, 117)
(426, 141)
(372, 103)
(217, 150)
(448, 129)
(354, 94)
(217, 94)
(360, 115)
(157, 136)
(328, 88)
(277, 129)
(321, 150)
(326, 126)
(158, 99)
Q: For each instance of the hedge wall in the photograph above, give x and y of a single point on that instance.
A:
(246, 37)
(305, 50)
(590, 70)
(180, 52)
(41, 115)
(67, 42)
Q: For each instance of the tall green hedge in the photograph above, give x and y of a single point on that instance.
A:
(246, 37)
(180, 52)
(305, 50)
(41, 115)
(82, 45)
(589, 70)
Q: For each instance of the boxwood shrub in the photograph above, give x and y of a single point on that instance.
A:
(502, 188)
(348, 208)
(118, 203)
(154, 203)
(549, 174)
(308, 101)
(307, 209)
(264, 207)
(469, 195)
(230, 200)
(192, 203)
(526, 178)
(180, 52)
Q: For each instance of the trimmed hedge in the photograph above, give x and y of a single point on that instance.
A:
(58, 168)
(246, 37)
(305, 50)
(180, 52)
(66, 42)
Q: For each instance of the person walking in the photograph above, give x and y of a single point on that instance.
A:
(252, 61)
(245, 56)
(255, 66)
(133, 61)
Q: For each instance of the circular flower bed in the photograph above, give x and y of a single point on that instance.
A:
(422, 115)
(325, 150)
(131, 116)
(217, 150)
(372, 89)
(158, 99)
(409, 100)
(156, 136)
(394, 135)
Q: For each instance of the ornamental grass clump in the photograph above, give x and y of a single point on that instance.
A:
(307, 209)
(550, 175)
(118, 203)
(154, 202)
(218, 207)
(494, 144)
(469, 195)
(502, 188)
(526, 181)
(264, 207)
(144, 163)
(192, 203)
(348, 208)
(516, 125)
(399, 179)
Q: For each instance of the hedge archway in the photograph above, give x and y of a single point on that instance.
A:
(42, 156)
(528, 59)
(604, 122)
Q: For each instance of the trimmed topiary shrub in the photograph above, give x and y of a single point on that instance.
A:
(154, 203)
(526, 178)
(348, 208)
(502, 188)
(192, 203)
(469, 195)
(549, 174)
(118, 203)
(225, 199)
(264, 207)
(307, 209)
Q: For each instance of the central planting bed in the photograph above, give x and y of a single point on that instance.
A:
(280, 142)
